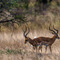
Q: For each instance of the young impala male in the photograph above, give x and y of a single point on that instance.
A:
(47, 41)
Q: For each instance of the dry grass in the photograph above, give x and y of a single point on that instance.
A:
(13, 47)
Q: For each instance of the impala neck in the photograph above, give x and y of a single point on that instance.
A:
(30, 41)
(54, 38)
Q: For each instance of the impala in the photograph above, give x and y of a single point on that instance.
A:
(34, 42)
(47, 41)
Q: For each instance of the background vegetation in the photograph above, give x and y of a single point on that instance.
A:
(36, 13)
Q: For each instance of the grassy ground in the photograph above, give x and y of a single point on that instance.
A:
(12, 47)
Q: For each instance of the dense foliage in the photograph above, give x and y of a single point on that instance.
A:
(20, 10)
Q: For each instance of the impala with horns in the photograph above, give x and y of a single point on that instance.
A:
(34, 42)
(47, 41)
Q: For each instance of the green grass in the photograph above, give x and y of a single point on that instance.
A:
(11, 51)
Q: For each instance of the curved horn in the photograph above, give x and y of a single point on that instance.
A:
(28, 31)
(51, 29)
(55, 29)
(25, 31)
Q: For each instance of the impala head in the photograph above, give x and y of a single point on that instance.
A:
(25, 35)
(54, 32)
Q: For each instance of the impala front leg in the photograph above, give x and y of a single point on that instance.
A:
(50, 49)
(36, 49)
(40, 48)
(46, 47)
